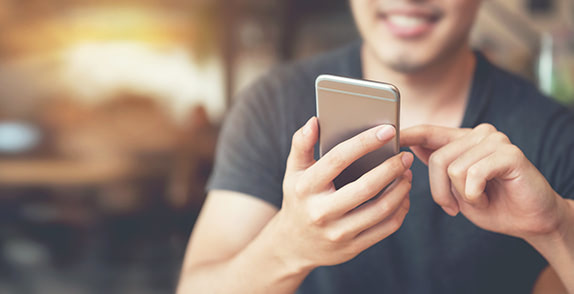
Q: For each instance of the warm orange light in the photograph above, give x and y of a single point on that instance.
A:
(61, 31)
(129, 23)
(95, 70)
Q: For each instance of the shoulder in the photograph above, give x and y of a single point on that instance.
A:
(520, 96)
(517, 104)
(281, 100)
(284, 97)
(293, 79)
(540, 126)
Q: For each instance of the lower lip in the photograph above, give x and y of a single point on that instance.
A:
(408, 32)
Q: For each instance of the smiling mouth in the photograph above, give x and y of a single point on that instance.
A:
(409, 23)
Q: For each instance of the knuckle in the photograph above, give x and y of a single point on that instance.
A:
(514, 151)
(317, 217)
(473, 197)
(437, 159)
(455, 171)
(335, 236)
(364, 187)
(486, 127)
(500, 137)
(364, 141)
(335, 160)
(383, 207)
(474, 171)
(300, 188)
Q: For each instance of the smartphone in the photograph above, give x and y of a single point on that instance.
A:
(347, 107)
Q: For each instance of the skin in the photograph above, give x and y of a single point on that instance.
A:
(243, 245)
(426, 61)
(481, 174)
(316, 226)
(417, 66)
(415, 55)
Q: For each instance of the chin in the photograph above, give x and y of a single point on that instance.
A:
(405, 60)
(405, 66)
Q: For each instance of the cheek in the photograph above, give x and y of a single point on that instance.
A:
(461, 15)
(363, 13)
(464, 11)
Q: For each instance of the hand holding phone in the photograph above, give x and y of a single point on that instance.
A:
(319, 225)
(347, 107)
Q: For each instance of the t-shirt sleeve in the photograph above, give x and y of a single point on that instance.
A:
(558, 153)
(247, 156)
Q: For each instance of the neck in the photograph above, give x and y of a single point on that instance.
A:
(439, 90)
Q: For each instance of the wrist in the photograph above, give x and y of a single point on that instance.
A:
(282, 250)
(558, 246)
(561, 237)
(266, 257)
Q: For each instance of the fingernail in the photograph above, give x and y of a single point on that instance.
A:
(307, 127)
(385, 133)
(407, 159)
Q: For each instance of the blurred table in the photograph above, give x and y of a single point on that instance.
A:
(63, 172)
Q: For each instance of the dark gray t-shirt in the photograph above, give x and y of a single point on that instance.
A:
(432, 252)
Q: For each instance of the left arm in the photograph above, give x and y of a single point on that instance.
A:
(558, 248)
(548, 282)
(481, 174)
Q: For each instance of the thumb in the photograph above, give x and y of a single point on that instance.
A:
(301, 155)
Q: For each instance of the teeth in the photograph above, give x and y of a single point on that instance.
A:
(406, 21)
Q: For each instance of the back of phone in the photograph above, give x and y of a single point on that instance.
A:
(347, 107)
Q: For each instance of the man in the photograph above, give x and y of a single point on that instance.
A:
(488, 190)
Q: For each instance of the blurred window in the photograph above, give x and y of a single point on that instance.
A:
(18, 137)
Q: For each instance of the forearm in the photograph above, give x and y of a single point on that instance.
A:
(259, 268)
(558, 248)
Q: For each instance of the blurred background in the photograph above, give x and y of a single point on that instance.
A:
(110, 109)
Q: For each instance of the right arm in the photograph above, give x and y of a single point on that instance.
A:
(241, 244)
(226, 253)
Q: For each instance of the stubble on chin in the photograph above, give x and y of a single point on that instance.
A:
(411, 62)
(400, 63)
(403, 64)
